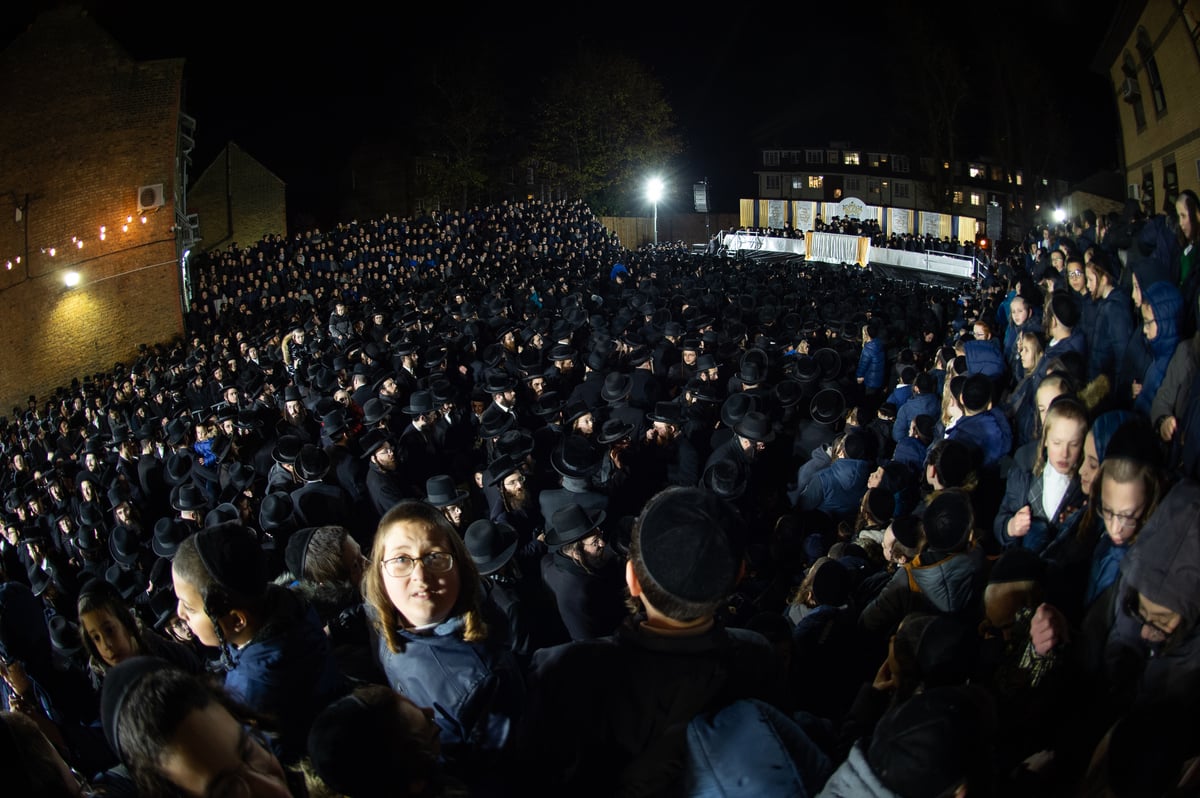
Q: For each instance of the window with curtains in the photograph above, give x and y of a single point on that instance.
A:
(850, 158)
(958, 198)
(976, 198)
(816, 181)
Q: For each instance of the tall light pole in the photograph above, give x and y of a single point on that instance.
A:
(654, 192)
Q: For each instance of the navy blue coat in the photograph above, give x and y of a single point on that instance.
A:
(872, 365)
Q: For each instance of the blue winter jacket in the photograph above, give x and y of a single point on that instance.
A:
(476, 688)
(988, 431)
(919, 404)
(1110, 336)
(985, 357)
(287, 671)
(836, 488)
(872, 365)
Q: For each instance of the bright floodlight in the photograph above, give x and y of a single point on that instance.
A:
(654, 189)
(71, 279)
(1060, 215)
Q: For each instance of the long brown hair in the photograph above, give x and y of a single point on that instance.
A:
(387, 618)
(1124, 470)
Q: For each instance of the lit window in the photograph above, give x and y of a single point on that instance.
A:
(958, 198)
(816, 181)
(850, 158)
(1018, 178)
(976, 199)
(975, 170)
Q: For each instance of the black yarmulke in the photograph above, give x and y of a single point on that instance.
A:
(685, 545)
(118, 683)
(233, 558)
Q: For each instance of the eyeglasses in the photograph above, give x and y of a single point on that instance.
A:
(1120, 520)
(1074, 273)
(1133, 610)
(436, 562)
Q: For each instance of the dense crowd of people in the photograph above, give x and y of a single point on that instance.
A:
(484, 503)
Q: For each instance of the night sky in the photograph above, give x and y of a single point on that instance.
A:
(292, 88)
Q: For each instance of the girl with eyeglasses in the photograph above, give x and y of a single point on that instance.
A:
(438, 642)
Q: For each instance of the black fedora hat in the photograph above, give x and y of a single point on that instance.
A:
(491, 545)
(827, 406)
(312, 464)
(374, 411)
(124, 545)
(667, 413)
(500, 468)
(499, 382)
(275, 511)
(373, 441)
(575, 457)
(420, 403)
(128, 582)
(221, 514)
(178, 468)
(803, 369)
(736, 406)
(756, 426)
(287, 449)
(725, 479)
(64, 636)
(188, 497)
(442, 492)
(616, 386)
(516, 443)
(614, 430)
(830, 363)
(168, 534)
(571, 523)
(495, 422)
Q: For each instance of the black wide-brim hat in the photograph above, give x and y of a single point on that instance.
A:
(491, 545)
(443, 492)
(756, 426)
(827, 406)
(420, 403)
(614, 430)
(575, 458)
(570, 524)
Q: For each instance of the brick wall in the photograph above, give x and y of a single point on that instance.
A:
(84, 127)
(237, 199)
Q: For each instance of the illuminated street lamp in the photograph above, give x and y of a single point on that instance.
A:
(1060, 215)
(71, 279)
(654, 192)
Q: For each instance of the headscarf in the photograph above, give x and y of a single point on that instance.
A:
(1167, 303)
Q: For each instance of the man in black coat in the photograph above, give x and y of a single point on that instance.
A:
(583, 578)
(609, 716)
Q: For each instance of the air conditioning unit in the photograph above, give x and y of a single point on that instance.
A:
(151, 197)
(1130, 91)
(1135, 191)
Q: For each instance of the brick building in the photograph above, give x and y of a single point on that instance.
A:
(92, 149)
(237, 199)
